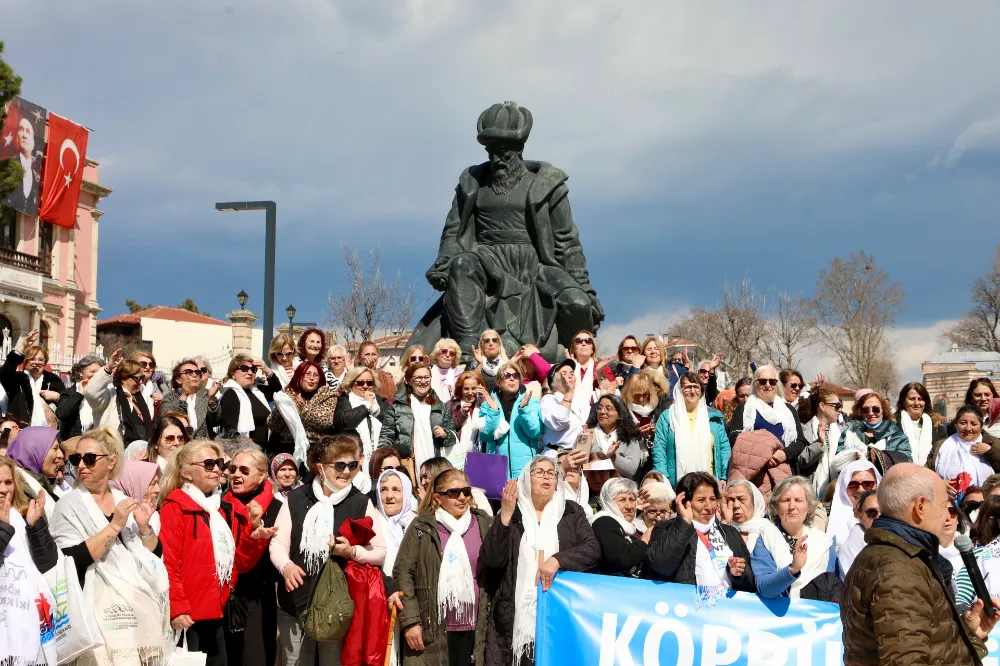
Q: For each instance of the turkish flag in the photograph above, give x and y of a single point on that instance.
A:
(64, 162)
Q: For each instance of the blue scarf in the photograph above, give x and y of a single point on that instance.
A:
(919, 538)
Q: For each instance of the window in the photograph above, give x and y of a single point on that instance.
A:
(6, 336)
(8, 229)
(46, 242)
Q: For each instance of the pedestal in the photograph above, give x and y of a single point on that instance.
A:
(242, 330)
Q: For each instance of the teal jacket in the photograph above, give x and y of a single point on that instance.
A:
(522, 441)
(665, 460)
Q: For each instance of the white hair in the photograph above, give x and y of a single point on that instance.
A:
(777, 376)
(337, 348)
(898, 492)
(659, 492)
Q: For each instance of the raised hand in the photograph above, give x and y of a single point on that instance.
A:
(799, 555)
(27, 340)
(684, 508)
(715, 361)
(5, 503)
(255, 513)
(116, 359)
(142, 513)
(478, 355)
(508, 502)
(725, 509)
(122, 512)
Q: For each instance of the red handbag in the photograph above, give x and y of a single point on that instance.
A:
(365, 642)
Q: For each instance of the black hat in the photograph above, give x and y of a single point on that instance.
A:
(554, 370)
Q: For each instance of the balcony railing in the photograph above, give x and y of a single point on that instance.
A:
(23, 261)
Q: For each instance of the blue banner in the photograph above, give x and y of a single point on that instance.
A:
(587, 619)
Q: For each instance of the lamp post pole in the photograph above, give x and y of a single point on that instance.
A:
(290, 311)
(270, 209)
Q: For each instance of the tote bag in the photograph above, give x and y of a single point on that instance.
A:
(76, 630)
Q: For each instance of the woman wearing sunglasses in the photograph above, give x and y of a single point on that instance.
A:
(361, 410)
(244, 409)
(187, 395)
(317, 510)
(583, 352)
(968, 457)
(488, 356)
(308, 411)
(36, 451)
(282, 358)
(208, 543)
(414, 355)
(418, 425)
(822, 432)
(766, 409)
(255, 591)
(445, 600)
(445, 368)
(871, 426)
(169, 433)
(116, 553)
(122, 407)
(513, 421)
(855, 478)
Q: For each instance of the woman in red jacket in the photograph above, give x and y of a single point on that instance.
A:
(207, 544)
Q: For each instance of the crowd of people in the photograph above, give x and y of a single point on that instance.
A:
(240, 515)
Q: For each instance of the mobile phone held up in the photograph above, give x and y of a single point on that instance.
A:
(585, 442)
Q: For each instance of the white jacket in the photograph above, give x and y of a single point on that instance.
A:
(100, 395)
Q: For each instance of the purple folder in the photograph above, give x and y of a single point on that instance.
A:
(487, 471)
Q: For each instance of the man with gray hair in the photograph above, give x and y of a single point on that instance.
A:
(897, 605)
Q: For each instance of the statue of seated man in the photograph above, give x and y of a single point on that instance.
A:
(510, 257)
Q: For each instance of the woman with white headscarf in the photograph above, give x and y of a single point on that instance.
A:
(854, 479)
(748, 509)
(398, 507)
(691, 437)
(535, 523)
(622, 550)
(971, 450)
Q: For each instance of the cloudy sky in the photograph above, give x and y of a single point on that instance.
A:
(703, 140)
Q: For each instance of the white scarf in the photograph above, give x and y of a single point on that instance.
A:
(540, 539)
(162, 462)
(711, 568)
(282, 374)
(584, 394)
(423, 434)
(456, 585)
(290, 413)
(246, 425)
(919, 436)
(21, 589)
(370, 428)
(443, 382)
(190, 403)
(758, 523)
(86, 411)
(603, 442)
(842, 510)
(642, 410)
(817, 555)
(692, 451)
(395, 526)
(581, 495)
(609, 492)
(955, 456)
(824, 470)
(491, 366)
(223, 545)
(127, 575)
(317, 527)
(850, 548)
(38, 409)
(774, 414)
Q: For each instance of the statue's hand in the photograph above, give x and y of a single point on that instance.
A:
(596, 310)
(437, 275)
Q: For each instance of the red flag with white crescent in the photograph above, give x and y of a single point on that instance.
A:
(64, 162)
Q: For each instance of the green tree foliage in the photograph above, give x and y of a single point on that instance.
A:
(135, 306)
(11, 171)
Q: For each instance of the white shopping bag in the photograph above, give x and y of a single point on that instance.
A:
(76, 628)
(182, 657)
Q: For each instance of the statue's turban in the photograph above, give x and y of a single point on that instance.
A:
(503, 122)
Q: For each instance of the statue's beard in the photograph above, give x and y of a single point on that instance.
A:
(507, 174)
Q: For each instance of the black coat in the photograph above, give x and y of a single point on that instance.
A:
(21, 403)
(347, 418)
(673, 551)
(68, 413)
(229, 417)
(792, 451)
(578, 551)
(621, 554)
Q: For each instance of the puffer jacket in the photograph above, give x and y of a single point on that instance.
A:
(316, 415)
(521, 443)
(664, 452)
(896, 609)
(416, 573)
(750, 459)
(397, 426)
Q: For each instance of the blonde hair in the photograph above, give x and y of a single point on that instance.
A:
(20, 500)
(178, 460)
(445, 344)
(427, 504)
(503, 352)
(278, 343)
(659, 346)
(111, 444)
(649, 381)
(355, 372)
(258, 455)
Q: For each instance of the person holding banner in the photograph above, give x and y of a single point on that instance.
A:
(622, 552)
(695, 547)
(538, 533)
(792, 558)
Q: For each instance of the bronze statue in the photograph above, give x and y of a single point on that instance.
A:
(510, 257)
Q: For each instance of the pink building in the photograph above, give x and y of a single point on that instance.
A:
(48, 276)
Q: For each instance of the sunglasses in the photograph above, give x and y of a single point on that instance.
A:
(864, 485)
(510, 375)
(193, 373)
(364, 383)
(455, 493)
(211, 463)
(418, 359)
(489, 341)
(398, 468)
(146, 364)
(836, 405)
(247, 368)
(171, 439)
(284, 354)
(137, 378)
(703, 371)
(583, 341)
(242, 469)
(340, 466)
(767, 382)
(447, 352)
(88, 459)
(203, 370)
(630, 349)
(952, 511)
(872, 514)
(871, 410)
(970, 507)
(794, 386)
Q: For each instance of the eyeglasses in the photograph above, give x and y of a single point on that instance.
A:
(864, 485)
(794, 386)
(147, 364)
(630, 348)
(418, 359)
(190, 372)
(455, 493)
(767, 382)
(242, 469)
(311, 375)
(88, 459)
(607, 409)
(171, 439)
(421, 380)
(836, 405)
(211, 463)
(875, 410)
(488, 341)
(285, 354)
(510, 375)
(872, 514)
(247, 368)
(543, 474)
(447, 352)
(364, 383)
(340, 466)
(583, 341)
(653, 513)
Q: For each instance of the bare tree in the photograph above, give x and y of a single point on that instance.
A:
(884, 378)
(369, 304)
(790, 328)
(854, 304)
(978, 330)
(741, 320)
(702, 327)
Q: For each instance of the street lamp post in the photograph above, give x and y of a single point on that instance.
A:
(290, 311)
(242, 298)
(270, 235)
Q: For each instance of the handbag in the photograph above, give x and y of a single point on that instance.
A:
(487, 471)
(76, 628)
(183, 657)
(235, 613)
